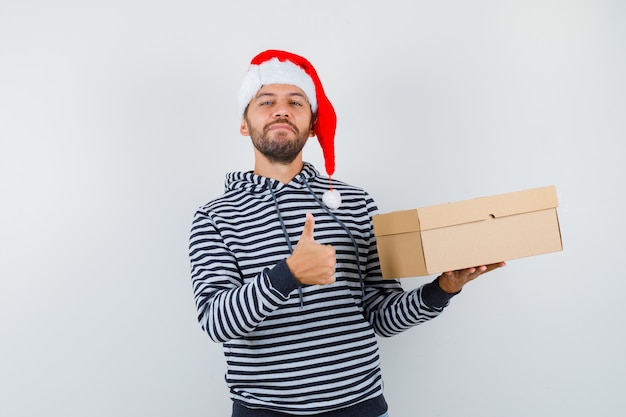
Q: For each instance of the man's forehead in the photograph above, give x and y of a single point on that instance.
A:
(286, 89)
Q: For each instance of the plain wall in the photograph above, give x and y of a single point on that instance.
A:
(119, 118)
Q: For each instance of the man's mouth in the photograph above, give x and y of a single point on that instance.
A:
(282, 125)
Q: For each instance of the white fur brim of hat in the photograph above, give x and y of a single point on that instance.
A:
(275, 72)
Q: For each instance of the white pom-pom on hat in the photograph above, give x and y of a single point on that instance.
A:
(332, 199)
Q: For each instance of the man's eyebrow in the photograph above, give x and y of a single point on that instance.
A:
(265, 95)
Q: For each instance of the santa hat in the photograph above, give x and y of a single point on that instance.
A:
(280, 67)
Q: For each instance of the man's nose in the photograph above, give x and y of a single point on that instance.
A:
(282, 109)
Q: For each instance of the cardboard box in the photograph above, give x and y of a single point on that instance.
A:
(469, 233)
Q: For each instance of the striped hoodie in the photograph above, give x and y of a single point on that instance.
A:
(300, 350)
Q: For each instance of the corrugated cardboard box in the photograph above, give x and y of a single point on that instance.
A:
(468, 233)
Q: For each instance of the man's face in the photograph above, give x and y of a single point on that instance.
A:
(278, 120)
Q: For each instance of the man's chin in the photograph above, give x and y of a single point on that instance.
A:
(282, 155)
(281, 134)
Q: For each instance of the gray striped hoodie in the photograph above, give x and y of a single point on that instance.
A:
(297, 349)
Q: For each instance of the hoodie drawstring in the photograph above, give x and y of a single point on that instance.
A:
(282, 224)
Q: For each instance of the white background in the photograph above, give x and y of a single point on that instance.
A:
(119, 118)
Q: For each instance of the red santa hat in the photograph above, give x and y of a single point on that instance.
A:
(280, 67)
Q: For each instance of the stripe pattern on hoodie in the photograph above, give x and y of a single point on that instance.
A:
(299, 354)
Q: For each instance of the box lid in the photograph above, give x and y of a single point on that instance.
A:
(485, 208)
(478, 209)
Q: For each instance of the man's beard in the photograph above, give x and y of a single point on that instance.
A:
(279, 149)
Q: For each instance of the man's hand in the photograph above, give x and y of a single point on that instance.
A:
(452, 281)
(312, 263)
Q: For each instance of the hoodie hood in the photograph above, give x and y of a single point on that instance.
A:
(251, 182)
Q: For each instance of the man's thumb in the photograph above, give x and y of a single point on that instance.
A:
(309, 226)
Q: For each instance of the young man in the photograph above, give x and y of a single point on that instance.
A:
(284, 264)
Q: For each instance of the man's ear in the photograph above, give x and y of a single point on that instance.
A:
(312, 130)
(243, 129)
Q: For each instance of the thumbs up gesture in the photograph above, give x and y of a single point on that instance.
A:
(312, 263)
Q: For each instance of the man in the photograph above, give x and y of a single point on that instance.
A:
(284, 264)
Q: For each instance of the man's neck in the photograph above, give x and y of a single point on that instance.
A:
(280, 172)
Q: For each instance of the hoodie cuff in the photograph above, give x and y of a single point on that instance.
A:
(282, 279)
(433, 296)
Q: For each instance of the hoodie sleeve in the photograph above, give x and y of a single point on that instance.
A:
(227, 308)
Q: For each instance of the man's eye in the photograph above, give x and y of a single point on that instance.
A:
(265, 103)
(296, 103)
